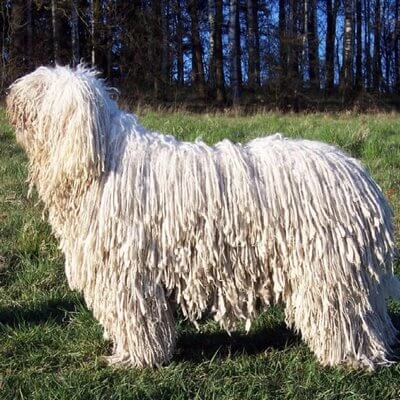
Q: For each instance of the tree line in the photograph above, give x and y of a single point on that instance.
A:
(285, 52)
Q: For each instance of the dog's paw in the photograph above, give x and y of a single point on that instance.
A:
(122, 360)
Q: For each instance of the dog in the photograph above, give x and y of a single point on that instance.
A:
(148, 223)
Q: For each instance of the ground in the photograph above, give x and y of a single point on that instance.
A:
(52, 348)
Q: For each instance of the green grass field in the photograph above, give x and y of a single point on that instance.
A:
(52, 348)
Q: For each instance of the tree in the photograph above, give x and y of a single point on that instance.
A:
(215, 66)
(179, 42)
(29, 33)
(211, 49)
(56, 37)
(218, 53)
(347, 68)
(313, 57)
(330, 45)
(367, 44)
(234, 50)
(282, 44)
(110, 36)
(154, 46)
(4, 21)
(197, 52)
(17, 36)
(165, 65)
(396, 46)
(74, 32)
(253, 44)
(377, 69)
(294, 44)
(359, 77)
(155, 51)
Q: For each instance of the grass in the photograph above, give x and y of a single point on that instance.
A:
(52, 348)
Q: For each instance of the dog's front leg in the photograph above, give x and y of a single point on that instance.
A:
(140, 322)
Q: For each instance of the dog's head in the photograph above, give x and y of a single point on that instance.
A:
(61, 117)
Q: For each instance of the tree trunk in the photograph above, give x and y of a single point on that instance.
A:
(388, 45)
(257, 43)
(111, 14)
(219, 57)
(234, 50)
(359, 78)
(282, 46)
(253, 44)
(293, 48)
(388, 64)
(347, 76)
(29, 34)
(377, 70)
(179, 44)
(155, 51)
(211, 49)
(330, 46)
(313, 59)
(197, 53)
(92, 32)
(337, 62)
(305, 60)
(4, 29)
(165, 42)
(367, 44)
(97, 53)
(396, 48)
(17, 42)
(56, 38)
(74, 33)
(2, 39)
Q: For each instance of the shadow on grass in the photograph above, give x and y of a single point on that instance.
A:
(58, 311)
(191, 346)
(200, 347)
(207, 346)
(194, 346)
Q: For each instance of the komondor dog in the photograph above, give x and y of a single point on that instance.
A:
(147, 222)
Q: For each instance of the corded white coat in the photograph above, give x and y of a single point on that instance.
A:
(147, 222)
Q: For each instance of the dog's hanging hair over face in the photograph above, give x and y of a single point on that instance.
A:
(61, 117)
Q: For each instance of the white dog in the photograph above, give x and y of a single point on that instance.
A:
(147, 222)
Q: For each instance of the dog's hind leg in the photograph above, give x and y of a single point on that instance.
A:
(341, 313)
